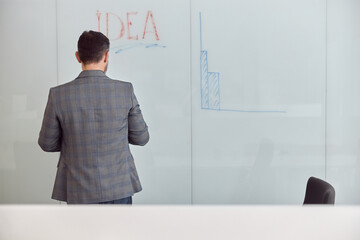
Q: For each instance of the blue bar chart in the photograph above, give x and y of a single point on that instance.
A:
(210, 85)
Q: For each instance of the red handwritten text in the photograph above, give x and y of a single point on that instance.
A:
(149, 29)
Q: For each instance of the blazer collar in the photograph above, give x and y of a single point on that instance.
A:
(91, 73)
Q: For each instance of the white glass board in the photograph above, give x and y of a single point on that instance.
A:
(258, 99)
(149, 47)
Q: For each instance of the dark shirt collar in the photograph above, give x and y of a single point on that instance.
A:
(91, 73)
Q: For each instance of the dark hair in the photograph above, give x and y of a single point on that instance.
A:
(92, 46)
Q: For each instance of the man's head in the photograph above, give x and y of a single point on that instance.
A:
(93, 50)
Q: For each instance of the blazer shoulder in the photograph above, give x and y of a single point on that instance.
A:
(61, 86)
(107, 80)
(122, 83)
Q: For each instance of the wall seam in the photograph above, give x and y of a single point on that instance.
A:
(191, 118)
(326, 85)
(57, 43)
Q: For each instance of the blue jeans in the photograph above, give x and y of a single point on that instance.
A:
(127, 200)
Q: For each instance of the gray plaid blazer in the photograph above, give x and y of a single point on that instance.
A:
(91, 121)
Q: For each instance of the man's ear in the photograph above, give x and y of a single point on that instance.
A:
(106, 59)
(77, 56)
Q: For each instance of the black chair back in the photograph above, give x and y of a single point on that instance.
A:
(319, 192)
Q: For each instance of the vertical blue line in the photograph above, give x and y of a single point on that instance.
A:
(200, 32)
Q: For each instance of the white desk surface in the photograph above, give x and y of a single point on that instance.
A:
(179, 222)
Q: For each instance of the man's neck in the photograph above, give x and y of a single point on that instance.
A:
(91, 66)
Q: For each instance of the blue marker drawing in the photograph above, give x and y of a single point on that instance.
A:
(210, 85)
(121, 48)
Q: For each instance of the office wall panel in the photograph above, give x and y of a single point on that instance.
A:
(343, 95)
(259, 82)
(28, 70)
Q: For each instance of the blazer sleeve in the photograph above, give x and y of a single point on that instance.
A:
(50, 136)
(138, 130)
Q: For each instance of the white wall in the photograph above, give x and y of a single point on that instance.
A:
(343, 99)
(28, 70)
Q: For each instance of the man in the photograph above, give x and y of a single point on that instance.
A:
(91, 121)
